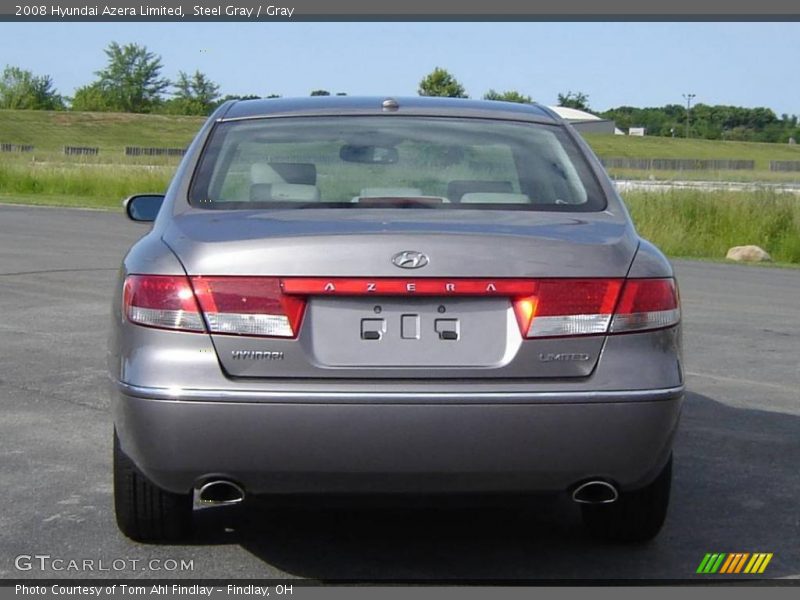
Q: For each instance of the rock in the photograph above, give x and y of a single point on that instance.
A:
(748, 254)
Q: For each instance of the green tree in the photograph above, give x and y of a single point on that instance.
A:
(22, 89)
(131, 81)
(92, 98)
(508, 96)
(441, 83)
(194, 95)
(242, 97)
(758, 124)
(576, 100)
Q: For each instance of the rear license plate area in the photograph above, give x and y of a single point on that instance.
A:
(411, 332)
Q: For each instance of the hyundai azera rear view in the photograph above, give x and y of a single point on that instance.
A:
(392, 296)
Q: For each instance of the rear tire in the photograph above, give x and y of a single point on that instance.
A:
(636, 516)
(145, 512)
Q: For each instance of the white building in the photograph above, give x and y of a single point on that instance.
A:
(586, 122)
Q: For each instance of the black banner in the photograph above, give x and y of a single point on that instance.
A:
(408, 10)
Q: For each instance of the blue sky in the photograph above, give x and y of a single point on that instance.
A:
(639, 64)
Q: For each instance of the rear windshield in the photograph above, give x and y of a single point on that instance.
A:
(393, 161)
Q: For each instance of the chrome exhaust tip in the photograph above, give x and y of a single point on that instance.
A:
(595, 492)
(218, 492)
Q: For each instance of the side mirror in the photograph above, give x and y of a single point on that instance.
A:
(143, 207)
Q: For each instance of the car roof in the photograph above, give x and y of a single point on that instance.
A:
(374, 105)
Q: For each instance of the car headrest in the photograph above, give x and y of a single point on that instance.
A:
(283, 192)
(277, 172)
(391, 192)
(303, 173)
(457, 188)
(494, 198)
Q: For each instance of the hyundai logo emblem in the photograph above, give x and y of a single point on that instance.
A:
(410, 259)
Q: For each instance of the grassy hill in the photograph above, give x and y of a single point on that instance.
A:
(111, 132)
(49, 131)
(624, 146)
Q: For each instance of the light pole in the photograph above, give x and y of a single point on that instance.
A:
(688, 98)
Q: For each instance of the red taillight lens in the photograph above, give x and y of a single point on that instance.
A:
(568, 307)
(248, 306)
(163, 301)
(647, 304)
(234, 305)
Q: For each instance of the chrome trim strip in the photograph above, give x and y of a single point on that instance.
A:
(211, 395)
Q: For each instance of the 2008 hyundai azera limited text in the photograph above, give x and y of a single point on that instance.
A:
(392, 296)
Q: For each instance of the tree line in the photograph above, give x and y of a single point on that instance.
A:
(703, 121)
(673, 120)
(132, 81)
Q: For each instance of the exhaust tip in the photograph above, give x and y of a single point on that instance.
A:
(218, 493)
(595, 492)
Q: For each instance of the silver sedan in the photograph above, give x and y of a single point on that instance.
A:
(392, 295)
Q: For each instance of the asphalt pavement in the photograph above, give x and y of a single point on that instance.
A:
(736, 484)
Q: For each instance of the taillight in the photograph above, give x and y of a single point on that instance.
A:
(234, 305)
(569, 307)
(560, 307)
(163, 301)
(273, 307)
(647, 304)
(248, 306)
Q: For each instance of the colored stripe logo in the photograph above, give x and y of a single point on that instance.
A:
(734, 563)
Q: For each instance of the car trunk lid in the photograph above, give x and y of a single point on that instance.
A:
(410, 324)
(361, 242)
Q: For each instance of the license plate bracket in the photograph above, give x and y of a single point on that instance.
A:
(411, 332)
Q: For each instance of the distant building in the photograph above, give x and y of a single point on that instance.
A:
(585, 122)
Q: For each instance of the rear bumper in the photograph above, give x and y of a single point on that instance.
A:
(339, 442)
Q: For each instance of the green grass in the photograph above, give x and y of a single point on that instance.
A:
(691, 223)
(624, 146)
(743, 176)
(97, 182)
(50, 131)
